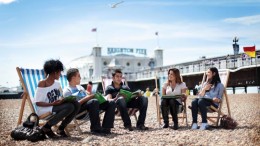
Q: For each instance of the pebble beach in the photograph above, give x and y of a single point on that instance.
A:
(245, 109)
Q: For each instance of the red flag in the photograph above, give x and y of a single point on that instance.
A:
(94, 29)
(250, 51)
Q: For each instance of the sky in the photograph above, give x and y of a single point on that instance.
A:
(33, 31)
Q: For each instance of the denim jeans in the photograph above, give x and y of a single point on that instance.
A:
(141, 103)
(200, 104)
(65, 112)
(94, 108)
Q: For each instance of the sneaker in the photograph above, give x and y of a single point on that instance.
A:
(142, 127)
(130, 128)
(49, 133)
(194, 126)
(62, 133)
(203, 126)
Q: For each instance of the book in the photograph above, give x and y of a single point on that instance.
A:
(129, 95)
(209, 99)
(172, 96)
(101, 99)
(70, 98)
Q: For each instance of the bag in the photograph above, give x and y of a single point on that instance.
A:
(227, 122)
(29, 130)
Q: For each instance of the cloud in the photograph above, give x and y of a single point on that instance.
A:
(6, 1)
(247, 20)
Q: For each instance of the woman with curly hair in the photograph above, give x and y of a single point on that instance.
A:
(47, 98)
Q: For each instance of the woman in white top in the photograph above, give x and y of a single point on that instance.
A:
(47, 99)
(174, 86)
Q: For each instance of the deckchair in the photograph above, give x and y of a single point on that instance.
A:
(182, 111)
(107, 81)
(224, 76)
(29, 79)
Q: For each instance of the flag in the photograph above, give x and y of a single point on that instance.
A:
(94, 29)
(250, 51)
(156, 33)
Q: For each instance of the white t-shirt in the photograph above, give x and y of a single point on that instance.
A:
(48, 95)
(176, 90)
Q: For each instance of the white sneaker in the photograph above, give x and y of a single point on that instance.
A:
(203, 126)
(194, 126)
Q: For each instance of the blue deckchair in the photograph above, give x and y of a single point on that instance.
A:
(29, 79)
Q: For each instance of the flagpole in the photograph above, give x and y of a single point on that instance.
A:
(157, 38)
(97, 38)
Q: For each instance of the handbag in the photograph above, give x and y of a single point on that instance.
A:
(227, 122)
(29, 130)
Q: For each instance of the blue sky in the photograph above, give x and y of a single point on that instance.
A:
(33, 31)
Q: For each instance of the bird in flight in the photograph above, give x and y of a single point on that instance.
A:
(115, 4)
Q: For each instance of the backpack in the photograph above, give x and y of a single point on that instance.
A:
(227, 122)
(29, 130)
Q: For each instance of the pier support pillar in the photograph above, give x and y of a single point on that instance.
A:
(246, 89)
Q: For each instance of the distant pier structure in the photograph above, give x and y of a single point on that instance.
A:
(140, 70)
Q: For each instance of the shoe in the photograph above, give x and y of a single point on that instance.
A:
(166, 125)
(175, 126)
(130, 128)
(142, 127)
(106, 130)
(203, 126)
(96, 131)
(62, 133)
(49, 133)
(194, 126)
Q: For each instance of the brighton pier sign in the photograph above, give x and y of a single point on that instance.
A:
(129, 51)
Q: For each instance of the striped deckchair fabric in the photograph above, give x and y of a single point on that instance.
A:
(29, 79)
(182, 112)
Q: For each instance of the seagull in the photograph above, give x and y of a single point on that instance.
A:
(115, 5)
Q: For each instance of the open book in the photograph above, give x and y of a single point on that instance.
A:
(129, 95)
(209, 99)
(172, 96)
(101, 99)
(70, 98)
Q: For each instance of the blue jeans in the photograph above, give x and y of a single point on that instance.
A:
(141, 103)
(200, 104)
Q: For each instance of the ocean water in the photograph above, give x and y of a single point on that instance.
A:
(240, 90)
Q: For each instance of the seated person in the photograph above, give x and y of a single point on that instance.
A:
(140, 102)
(212, 89)
(47, 99)
(173, 86)
(88, 102)
(147, 92)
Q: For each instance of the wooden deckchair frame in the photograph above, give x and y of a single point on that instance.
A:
(131, 111)
(224, 76)
(158, 108)
(26, 97)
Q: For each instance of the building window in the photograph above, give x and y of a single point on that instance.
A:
(127, 64)
(105, 63)
(139, 64)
